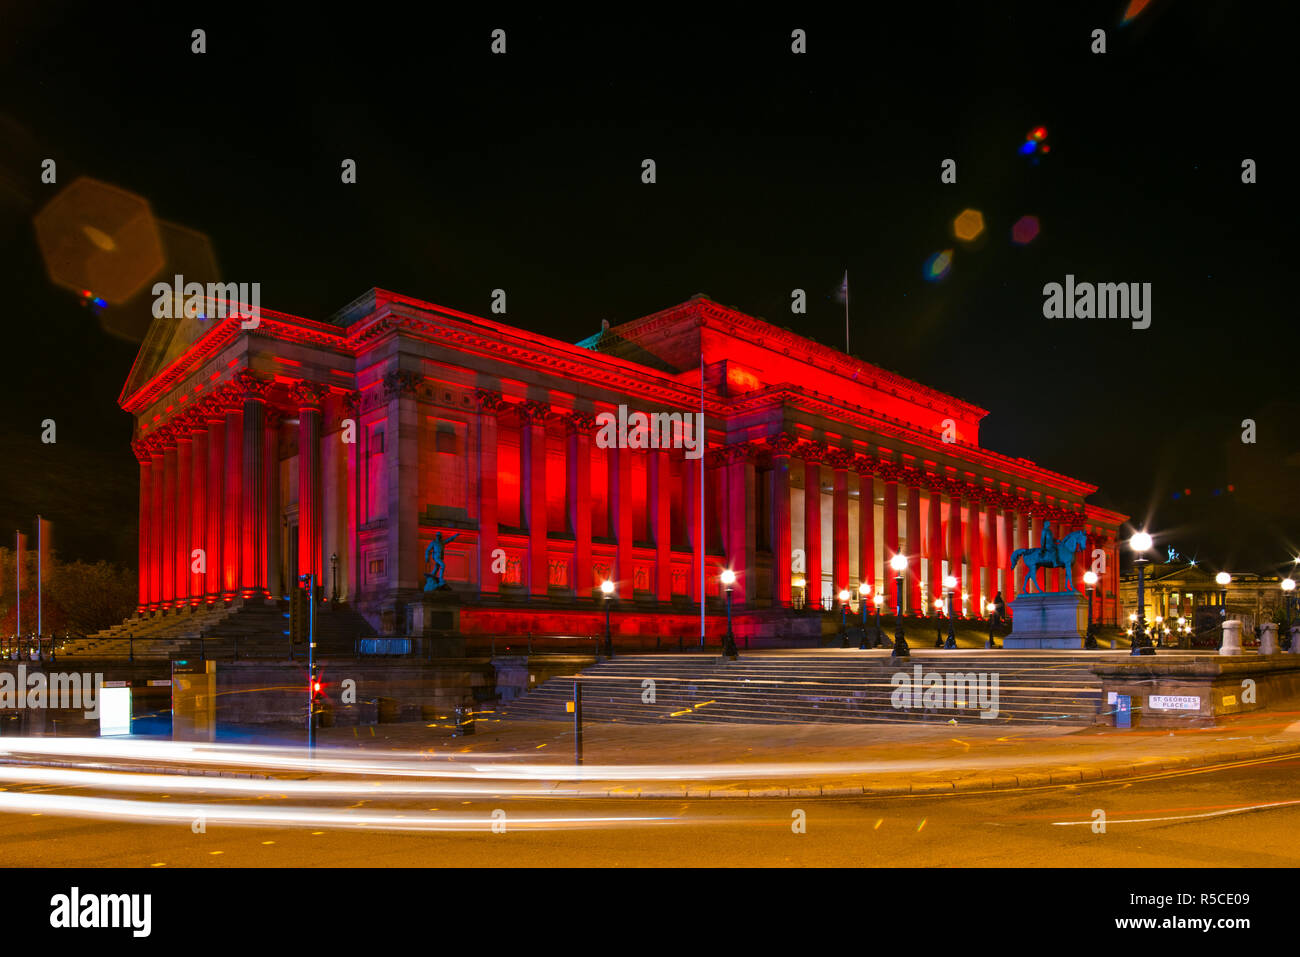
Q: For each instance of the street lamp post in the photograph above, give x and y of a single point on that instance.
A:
(1141, 645)
(607, 589)
(879, 601)
(1288, 599)
(729, 639)
(950, 592)
(899, 564)
(334, 574)
(1090, 579)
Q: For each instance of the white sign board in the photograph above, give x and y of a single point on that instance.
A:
(1174, 702)
(114, 710)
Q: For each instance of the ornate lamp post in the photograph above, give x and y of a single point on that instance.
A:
(802, 584)
(1224, 580)
(1140, 543)
(1090, 579)
(899, 564)
(844, 597)
(1288, 597)
(729, 639)
(879, 601)
(950, 593)
(607, 589)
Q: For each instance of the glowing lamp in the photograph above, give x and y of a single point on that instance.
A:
(864, 589)
(607, 587)
(1140, 542)
(800, 582)
(1288, 584)
(950, 583)
(879, 600)
(1223, 578)
(728, 577)
(1090, 578)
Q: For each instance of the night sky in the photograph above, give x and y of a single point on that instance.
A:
(775, 172)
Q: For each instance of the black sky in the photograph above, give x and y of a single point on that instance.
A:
(775, 172)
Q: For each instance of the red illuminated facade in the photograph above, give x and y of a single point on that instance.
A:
(265, 451)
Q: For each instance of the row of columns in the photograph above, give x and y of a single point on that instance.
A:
(208, 484)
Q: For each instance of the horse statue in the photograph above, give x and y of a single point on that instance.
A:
(1059, 554)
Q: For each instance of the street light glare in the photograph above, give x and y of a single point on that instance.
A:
(1223, 578)
(1090, 578)
(1288, 584)
(607, 587)
(844, 594)
(898, 563)
(728, 577)
(950, 582)
(1140, 542)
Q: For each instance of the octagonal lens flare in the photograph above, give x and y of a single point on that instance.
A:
(968, 225)
(1025, 230)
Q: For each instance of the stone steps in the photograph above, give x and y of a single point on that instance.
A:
(843, 688)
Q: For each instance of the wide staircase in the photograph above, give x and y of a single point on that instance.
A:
(252, 629)
(847, 686)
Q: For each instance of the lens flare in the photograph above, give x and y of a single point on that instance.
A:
(1025, 230)
(937, 266)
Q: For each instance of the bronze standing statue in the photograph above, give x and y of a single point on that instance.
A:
(437, 577)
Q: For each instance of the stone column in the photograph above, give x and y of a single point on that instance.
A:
(142, 449)
(974, 551)
(232, 541)
(934, 545)
(839, 462)
(578, 475)
(1012, 523)
(955, 546)
(620, 497)
(157, 469)
(741, 516)
(532, 453)
(990, 551)
(274, 524)
(660, 507)
(402, 465)
(216, 519)
(252, 575)
(489, 581)
(184, 483)
(781, 446)
(915, 602)
(168, 434)
(866, 524)
(691, 474)
(889, 532)
(812, 454)
(199, 506)
(308, 397)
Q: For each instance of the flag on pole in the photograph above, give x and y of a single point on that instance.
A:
(21, 549)
(42, 564)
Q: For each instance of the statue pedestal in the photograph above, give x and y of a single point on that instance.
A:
(434, 618)
(1048, 620)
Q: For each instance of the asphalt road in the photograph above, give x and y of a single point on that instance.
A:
(1211, 817)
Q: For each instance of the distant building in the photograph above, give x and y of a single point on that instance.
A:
(1179, 589)
(273, 448)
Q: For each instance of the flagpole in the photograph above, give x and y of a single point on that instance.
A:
(38, 575)
(18, 566)
(703, 441)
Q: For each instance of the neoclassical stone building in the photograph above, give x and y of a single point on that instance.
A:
(343, 446)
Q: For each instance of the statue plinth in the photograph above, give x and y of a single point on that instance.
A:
(434, 618)
(1047, 620)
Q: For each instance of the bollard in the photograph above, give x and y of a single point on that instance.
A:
(1231, 637)
(1295, 639)
(1268, 638)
